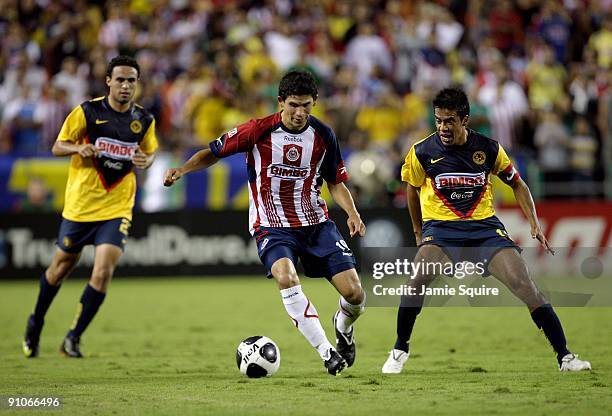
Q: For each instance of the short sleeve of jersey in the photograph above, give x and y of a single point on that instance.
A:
(238, 140)
(412, 170)
(74, 126)
(332, 168)
(149, 142)
(504, 169)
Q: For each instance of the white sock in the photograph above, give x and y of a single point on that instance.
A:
(348, 314)
(304, 315)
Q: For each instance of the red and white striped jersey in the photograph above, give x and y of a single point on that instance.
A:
(285, 169)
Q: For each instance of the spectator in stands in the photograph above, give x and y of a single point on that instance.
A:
(507, 106)
(552, 141)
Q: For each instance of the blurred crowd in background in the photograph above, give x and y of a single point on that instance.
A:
(537, 72)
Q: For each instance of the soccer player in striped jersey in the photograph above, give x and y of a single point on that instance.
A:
(288, 155)
(451, 207)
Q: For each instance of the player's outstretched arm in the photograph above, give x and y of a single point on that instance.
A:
(414, 208)
(65, 148)
(343, 197)
(201, 160)
(525, 201)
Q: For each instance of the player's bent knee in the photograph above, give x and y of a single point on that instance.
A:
(287, 280)
(355, 295)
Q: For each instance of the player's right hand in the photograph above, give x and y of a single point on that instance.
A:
(172, 175)
(88, 150)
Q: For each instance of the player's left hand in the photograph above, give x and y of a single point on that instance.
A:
(355, 225)
(537, 234)
(140, 159)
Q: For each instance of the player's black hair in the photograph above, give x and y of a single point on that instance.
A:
(453, 99)
(297, 83)
(122, 60)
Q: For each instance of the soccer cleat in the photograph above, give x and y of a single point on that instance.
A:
(345, 343)
(71, 347)
(395, 362)
(570, 362)
(335, 363)
(31, 338)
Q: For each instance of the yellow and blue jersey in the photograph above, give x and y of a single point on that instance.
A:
(454, 181)
(104, 187)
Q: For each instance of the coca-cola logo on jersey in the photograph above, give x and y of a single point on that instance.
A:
(115, 149)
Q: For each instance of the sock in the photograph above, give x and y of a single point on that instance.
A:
(348, 314)
(406, 316)
(89, 305)
(304, 315)
(46, 294)
(546, 319)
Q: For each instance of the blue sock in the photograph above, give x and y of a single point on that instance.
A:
(46, 294)
(546, 319)
(90, 303)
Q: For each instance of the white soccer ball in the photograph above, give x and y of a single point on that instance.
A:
(258, 356)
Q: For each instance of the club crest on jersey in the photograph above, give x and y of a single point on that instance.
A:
(293, 153)
(460, 180)
(232, 132)
(479, 157)
(115, 149)
(136, 126)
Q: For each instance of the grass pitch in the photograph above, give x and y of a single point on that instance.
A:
(167, 346)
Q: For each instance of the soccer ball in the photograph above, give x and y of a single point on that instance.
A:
(258, 356)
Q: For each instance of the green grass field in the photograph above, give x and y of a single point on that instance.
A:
(167, 346)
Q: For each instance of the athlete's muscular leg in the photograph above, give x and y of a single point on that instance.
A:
(283, 271)
(509, 267)
(410, 305)
(301, 311)
(62, 264)
(106, 258)
(348, 285)
(426, 255)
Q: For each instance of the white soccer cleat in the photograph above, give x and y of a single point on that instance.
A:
(395, 362)
(571, 363)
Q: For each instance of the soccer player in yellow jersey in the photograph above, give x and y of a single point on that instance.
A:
(451, 207)
(105, 137)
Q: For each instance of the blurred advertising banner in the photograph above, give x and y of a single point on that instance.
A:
(213, 243)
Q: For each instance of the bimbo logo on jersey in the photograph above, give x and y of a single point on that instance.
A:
(116, 149)
(460, 180)
(287, 172)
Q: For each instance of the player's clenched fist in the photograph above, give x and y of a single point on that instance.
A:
(88, 150)
(171, 176)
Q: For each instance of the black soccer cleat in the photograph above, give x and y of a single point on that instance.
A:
(345, 343)
(31, 338)
(71, 347)
(335, 363)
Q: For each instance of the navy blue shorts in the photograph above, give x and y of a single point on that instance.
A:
(472, 240)
(321, 249)
(73, 236)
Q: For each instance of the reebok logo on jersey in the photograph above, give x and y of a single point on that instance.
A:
(432, 161)
(101, 121)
